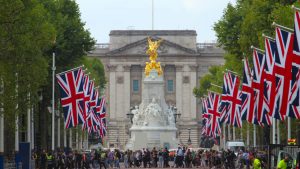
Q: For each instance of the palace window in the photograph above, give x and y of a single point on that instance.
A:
(170, 85)
(135, 85)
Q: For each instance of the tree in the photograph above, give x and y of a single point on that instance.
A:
(241, 27)
(25, 33)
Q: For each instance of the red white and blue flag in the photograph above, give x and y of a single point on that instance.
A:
(261, 109)
(213, 111)
(283, 72)
(89, 94)
(72, 96)
(294, 99)
(205, 116)
(270, 88)
(87, 88)
(247, 95)
(232, 98)
(101, 112)
(224, 104)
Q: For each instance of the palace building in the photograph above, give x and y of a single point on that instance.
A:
(184, 62)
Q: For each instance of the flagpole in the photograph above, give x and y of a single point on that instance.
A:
(229, 133)
(1, 120)
(80, 140)
(214, 92)
(254, 135)
(53, 102)
(248, 134)
(152, 14)
(65, 137)
(282, 27)
(32, 127)
(224, 134)
(274, 131)
(278, 131)
(268, 37)
(262, 51)
(232, 72)
(295, 8)
(76, 135)
(28, 121)
(70, 70)
(17, 118)
(1, 130)
(289, 127)
(58, 131)
(70, 139)
(216, 85)
(233, 133)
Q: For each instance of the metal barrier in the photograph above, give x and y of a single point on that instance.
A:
(12, 165)
(273, 150)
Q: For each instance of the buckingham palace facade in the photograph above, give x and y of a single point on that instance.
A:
(184, 62)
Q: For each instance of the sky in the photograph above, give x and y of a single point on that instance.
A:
(102, 16)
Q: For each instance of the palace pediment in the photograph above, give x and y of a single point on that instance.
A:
(140, 47)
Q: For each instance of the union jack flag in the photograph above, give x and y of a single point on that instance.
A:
(214, 103)
(270, 88)
(92, 121)
(224, 104)
(207, 127)
(295, 82)
(102, 117)
(258, 84)
(87, 88)
(72, 96)
(247, 95)
(205, 116)
(232, 98)
(90, 100)
(282, 70)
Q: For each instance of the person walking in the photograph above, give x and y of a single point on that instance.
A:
(117, 157)
(256, 162)
(160, 159)
(165, 155)
(126, 159)
(283, 163)
(154, 157)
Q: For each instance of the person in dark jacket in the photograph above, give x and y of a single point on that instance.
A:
(166, 157)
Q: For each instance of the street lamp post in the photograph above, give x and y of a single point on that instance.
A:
(130, 115)
(175, 114)
(189, 140)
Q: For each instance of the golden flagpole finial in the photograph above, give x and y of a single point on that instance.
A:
(152, 52)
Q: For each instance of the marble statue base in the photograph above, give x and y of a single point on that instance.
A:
(149, 137)
(153, 120)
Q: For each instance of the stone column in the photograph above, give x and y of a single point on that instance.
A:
(112, 90)
(193, 84)
(179, 70)
(126, 102)
(126, 90)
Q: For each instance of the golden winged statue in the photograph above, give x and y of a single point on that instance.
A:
(152, 52)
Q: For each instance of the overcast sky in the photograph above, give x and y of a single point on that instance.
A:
(102, 16)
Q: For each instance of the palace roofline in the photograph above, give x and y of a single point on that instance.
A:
(153, 33)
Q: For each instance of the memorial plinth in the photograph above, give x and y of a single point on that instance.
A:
(153, 121)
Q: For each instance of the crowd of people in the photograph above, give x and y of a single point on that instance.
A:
(145, 158)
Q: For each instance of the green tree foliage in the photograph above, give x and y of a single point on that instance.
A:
(30, 31)
(242, 26)
(24, 33)
(96, 69)
(213, 77)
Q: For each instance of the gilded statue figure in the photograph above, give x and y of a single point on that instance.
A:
(152, 52)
